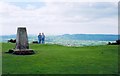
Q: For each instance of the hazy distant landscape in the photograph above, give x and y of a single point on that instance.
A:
(71, 39)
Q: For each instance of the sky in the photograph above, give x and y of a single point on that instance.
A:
(55, 18)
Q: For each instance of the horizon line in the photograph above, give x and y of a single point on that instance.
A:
(67, 33)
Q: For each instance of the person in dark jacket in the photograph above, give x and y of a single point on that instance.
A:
(39, 38)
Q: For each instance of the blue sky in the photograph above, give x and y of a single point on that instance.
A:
(60, 17)
(23, 5)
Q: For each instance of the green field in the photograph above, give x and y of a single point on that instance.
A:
(57, 59)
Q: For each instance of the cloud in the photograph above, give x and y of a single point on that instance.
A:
(59, 17)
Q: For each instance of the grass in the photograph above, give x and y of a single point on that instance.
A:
(57, 59)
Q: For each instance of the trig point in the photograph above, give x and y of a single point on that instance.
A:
(22, 39)
(22, 45)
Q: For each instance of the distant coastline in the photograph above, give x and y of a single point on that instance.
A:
(70, 39)
(101, 37)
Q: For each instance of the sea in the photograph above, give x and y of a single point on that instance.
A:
(70, 39)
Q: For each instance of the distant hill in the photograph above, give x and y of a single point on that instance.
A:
(97, 37)
(8, 36)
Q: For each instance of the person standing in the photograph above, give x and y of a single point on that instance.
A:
(39, 38)
(43, 38)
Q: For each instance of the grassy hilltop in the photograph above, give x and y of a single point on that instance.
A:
(57, 59)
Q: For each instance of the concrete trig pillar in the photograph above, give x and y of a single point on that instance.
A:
(22, 39)
(22, 45)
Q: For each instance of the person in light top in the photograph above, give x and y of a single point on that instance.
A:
(43, 38)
